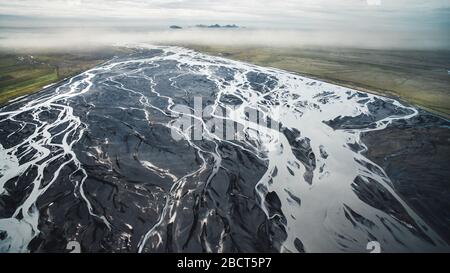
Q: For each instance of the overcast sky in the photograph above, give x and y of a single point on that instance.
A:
(411, 23)
(285, 13)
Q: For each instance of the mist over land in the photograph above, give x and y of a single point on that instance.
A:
(373, 24)
(65, 38)
(293, 29)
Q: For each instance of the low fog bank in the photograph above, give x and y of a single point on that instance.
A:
(88, 38)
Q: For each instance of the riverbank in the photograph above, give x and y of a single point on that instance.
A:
(418, 77)
(23, 72)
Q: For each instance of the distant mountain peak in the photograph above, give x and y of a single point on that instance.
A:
(217, 26)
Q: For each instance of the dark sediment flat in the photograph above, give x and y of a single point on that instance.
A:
(415, 154)
(93, 160)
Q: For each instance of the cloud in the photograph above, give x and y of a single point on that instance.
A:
(237, 10)
(87, 38)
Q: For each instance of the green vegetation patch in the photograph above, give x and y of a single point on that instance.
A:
(25, 72)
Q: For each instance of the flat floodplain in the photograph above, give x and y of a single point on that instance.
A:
(416, 76)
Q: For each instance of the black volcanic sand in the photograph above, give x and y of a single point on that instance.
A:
(117, 139)
(415, 154)
(127, 152)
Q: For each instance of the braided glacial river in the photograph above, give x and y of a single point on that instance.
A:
(93, 160)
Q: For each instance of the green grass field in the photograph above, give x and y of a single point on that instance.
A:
(418, 77)
(25, 72)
